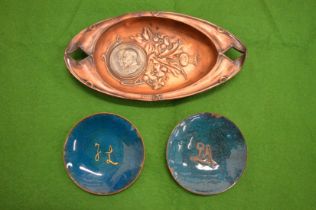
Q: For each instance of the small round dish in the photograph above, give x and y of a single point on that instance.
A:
(206, 154)
(103, 154)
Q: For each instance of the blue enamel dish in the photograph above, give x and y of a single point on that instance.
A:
(206, 154)
(104, 154)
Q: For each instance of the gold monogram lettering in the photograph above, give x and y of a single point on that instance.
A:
(205, 155)
(97, 155)
(108, 153)
(109, 161)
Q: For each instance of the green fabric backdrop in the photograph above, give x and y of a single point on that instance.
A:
(272, 100)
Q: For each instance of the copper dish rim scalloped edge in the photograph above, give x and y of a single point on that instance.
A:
(124, 188)
(156, 97)
(200, 193)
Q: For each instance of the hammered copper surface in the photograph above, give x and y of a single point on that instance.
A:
(154, 56)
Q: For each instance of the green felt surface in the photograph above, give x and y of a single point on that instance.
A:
(272, 100)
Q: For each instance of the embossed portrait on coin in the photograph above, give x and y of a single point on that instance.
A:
(127, 60)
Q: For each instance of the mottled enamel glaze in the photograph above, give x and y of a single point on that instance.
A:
(103, 154)
(206, 154)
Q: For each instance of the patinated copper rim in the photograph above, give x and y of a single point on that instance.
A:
(200, 193)
(127, 186)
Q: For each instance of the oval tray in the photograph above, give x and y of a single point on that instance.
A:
(153, 56)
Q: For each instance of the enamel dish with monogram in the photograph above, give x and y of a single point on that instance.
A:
(104, 154)
(206, 154)
(153, 56)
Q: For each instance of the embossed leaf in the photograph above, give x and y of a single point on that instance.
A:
(169, 52)
(149, 48)
(175, 63)
(138, 38)
(175, 46)
(166, 40)
(147, 34)
(173, 71)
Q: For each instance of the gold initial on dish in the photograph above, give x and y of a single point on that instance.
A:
(97, 155)
(109, 161)
(108, 154)
(205, 155)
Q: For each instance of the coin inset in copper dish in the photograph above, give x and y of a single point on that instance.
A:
(154, 56)
(126, 61)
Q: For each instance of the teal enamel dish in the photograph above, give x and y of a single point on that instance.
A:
(206, 154)
(104, 154)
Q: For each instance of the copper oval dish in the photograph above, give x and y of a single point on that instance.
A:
(153, 56)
